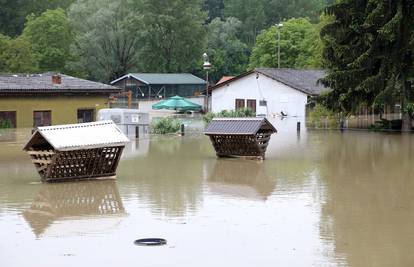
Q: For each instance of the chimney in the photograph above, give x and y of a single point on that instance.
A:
(56, 79)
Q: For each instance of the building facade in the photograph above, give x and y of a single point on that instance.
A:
(34, 100)
(160, 85)
(268, 92)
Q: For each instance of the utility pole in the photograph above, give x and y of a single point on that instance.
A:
(206, 66)
(278, 26)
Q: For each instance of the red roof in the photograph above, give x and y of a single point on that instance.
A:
(225, 79)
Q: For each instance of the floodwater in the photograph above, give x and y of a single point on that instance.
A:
(319, 199)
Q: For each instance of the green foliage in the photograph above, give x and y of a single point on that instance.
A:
(368, 49)
(106, 38)
(16, 55)
(13, 13)
(240, 113)
(50, 36)
(165, 125)
(260, 14)
(214, 9)
(300, 46)
(172, 35)
(321, 117)
(5, 124)
(229, 54)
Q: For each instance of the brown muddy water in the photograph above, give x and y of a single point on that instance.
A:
(319, 199)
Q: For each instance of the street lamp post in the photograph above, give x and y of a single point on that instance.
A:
(206, 66)
(278, 44)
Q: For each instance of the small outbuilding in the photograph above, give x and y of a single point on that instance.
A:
(240, 136)
(76, 151)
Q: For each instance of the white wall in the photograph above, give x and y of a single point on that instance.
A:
(278, 96)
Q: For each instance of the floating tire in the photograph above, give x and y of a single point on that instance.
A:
(150, 242)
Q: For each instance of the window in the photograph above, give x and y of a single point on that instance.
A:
(239, 104)
(251, 103)
(42, 118)
(263, 103)
(7, 119)
(86, 115)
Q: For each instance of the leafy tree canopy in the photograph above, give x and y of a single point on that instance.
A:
(16, 56)
(229, 54)
(106, 40)
(369, 49)
(300, 46)
(172, 35)
(13, 13)
(50, 36)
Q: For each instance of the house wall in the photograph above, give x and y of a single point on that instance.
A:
(63, 108)
(278, 96)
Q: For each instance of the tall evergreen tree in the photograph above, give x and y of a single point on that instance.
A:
(369, 49)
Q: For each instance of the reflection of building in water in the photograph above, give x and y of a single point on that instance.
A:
(369, 208)
(169, 177)
(82, 207)
(241, 178)
(136, 148)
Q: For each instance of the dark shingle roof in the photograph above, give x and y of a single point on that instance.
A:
(302, 80)
(43, 83)
(242, 126)
(163, 78)
(305, 81)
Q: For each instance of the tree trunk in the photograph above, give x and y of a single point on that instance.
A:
(406, 122)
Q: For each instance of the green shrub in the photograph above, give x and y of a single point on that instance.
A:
(240, 113)
(4, 124)
(165, 125)
(322, 117)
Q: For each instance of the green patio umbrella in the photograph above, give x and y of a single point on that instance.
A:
(176, 103)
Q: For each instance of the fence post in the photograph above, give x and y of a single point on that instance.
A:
(298, 126)
(182, 129)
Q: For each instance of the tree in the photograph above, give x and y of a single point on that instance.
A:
(227, 53)
(13, 13)
(50, 36)
(260, 14)
(214, 9)
(300, 46)
(16, 56)
(173, 35)
(107, 38)
(369, 49)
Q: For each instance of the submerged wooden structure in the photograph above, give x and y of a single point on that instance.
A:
(76, 151)
(240, 136)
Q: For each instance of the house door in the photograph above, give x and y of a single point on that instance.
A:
(42, 118)
(239, 104)
(251, 103)
(7, 119)
(85, 115)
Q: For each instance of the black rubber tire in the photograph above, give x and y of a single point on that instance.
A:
(150, 242)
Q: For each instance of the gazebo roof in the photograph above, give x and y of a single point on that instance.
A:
(238, 126)
(79, 136)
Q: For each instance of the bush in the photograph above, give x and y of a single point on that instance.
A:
(4, 124)
(322, 117)
(240, 113)
(165, 126)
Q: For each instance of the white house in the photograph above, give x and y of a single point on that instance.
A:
(268, 92)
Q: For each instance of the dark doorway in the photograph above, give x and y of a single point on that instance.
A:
(251, 103)
(42, 118)
(7, 119)
(86, 115)
(239, 104)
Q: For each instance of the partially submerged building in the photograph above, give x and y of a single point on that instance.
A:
(46, 99)
(160, 85)
(268, 91)
(76, 151)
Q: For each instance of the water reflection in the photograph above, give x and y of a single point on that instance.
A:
(369, 210)
(241, 178)
(173, 188)
(81, 207)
